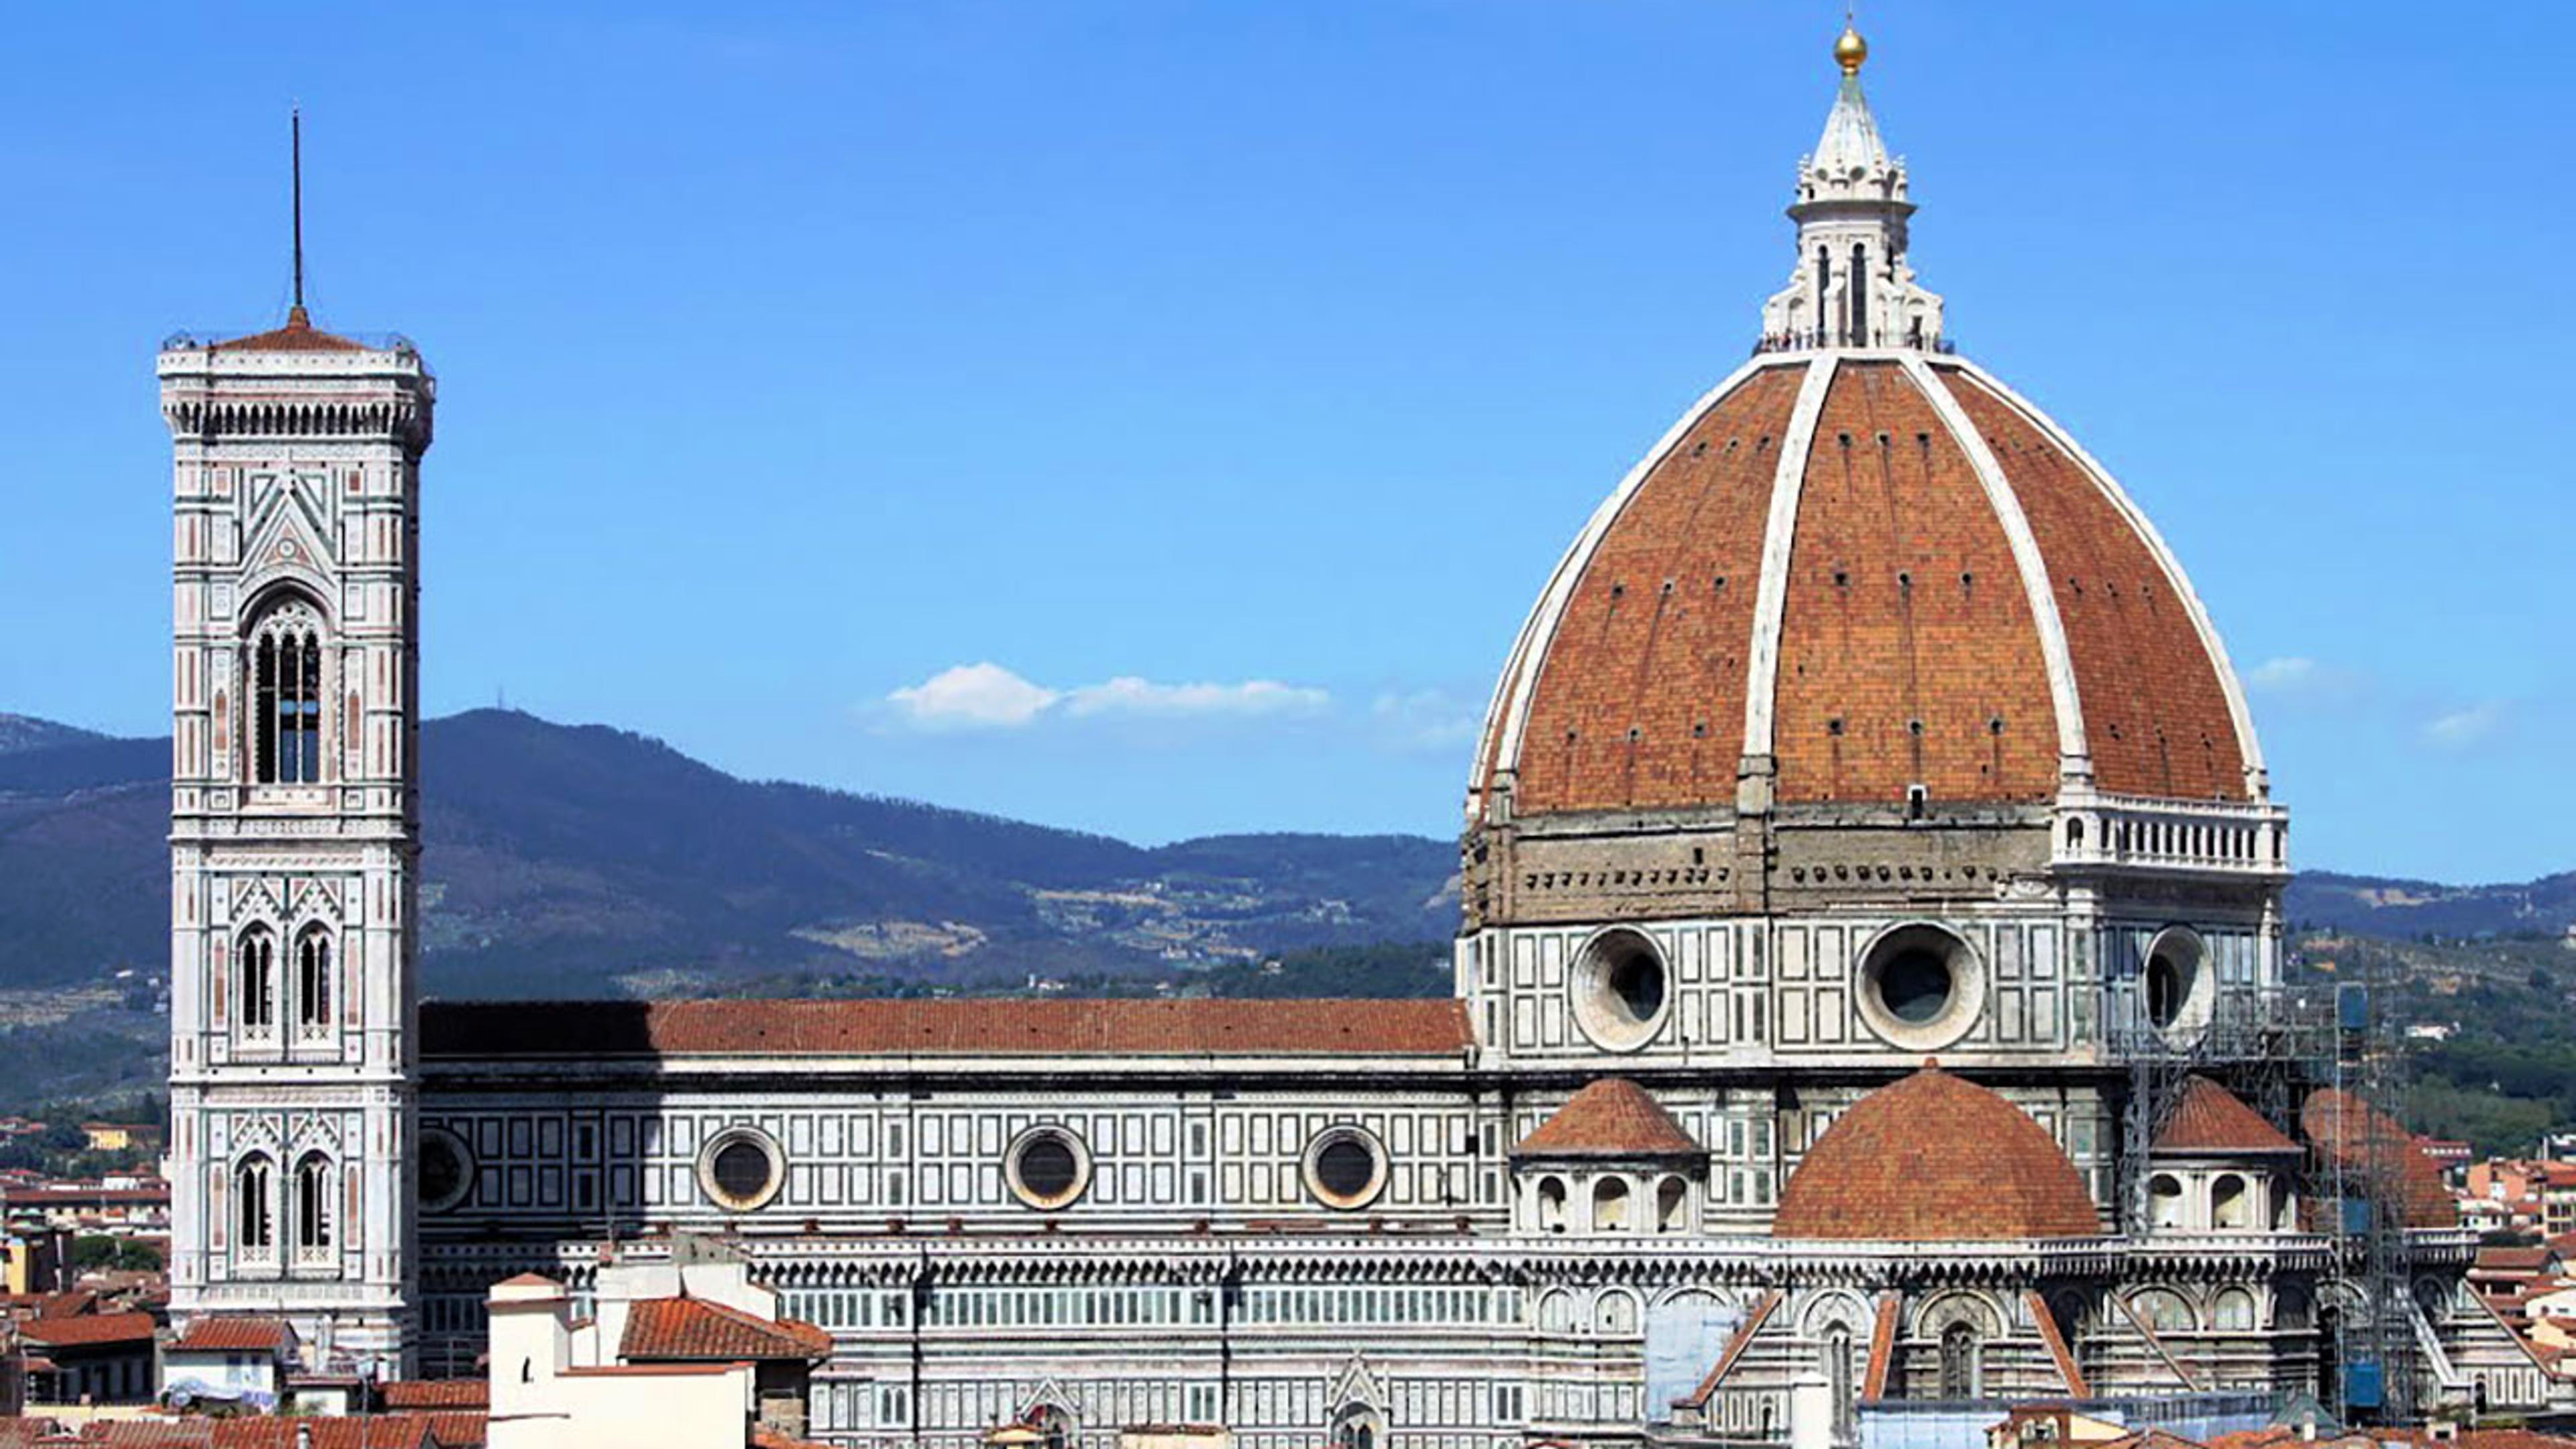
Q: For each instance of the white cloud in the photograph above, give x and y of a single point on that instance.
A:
(2463, 727)
(2282, 675)
(988, 696)
(1428, 719)
(973, 696)
(1128, 694)
(2298, 679)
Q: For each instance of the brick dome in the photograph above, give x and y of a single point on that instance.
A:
(1879, 569)
(1933, 1158)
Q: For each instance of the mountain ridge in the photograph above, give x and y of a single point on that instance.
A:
(592, 860)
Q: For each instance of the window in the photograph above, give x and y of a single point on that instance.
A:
(1615, 1315)
(255, 1228)
(2164, 1200)
(1839, 1380)
(286, 695)
(741, 1168)
(1610, 1205)
(445, 1169)
(2180, 986)
(2233, 1311)
(1672, 1205)
(1357, 1427)
(1551, 1204)
(1345, 1168)
(2231, 1205)
(1921, 986)
(313, 981)
(255, 960)
(1618, 988)
(1959, 1362)
(1047, 1167)
(313, 1204)
(2164, 1310)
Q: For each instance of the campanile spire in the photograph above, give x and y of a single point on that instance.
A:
(1852, 285)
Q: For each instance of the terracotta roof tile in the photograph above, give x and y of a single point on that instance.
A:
(661, 1329)
(460, 1430)
(298, 335)
(1627, 652)
(328, 1431)
(2210, 1120)
(2049, 1333)
(1935, 1158)
(1892, 670)
(1882, 1348)
(87, 1330)
(1205, 1027)
(1909, 652)
(1613, 1117)
(2155, 711)
(148, 1433)
(232, 1335)
(435, 1393)
(1735, 1346)
(2345, 1129)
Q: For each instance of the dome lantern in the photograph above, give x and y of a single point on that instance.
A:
(1851, 285)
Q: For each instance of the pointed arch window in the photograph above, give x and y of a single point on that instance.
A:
(286, 714)
(312, 1205)
(313, 981)
(255, 976)
(1839, 1380)
(254, 1216)
(1959, 1362)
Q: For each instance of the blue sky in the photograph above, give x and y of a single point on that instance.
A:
(1227, 376)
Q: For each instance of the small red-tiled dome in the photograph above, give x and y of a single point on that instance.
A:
(2210, 1121)
(1613, 1117)
(2345, 1129)
(1933, 1158)
(1875, 572)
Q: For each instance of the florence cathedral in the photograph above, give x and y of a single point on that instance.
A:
(1869, 1003)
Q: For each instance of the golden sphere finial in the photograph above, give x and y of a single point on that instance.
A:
(1850, 50)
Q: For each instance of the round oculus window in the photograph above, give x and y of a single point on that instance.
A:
(1345, 1168)
(2180, 989)
(1921, 986)
(1916, 986)
(445, 1170)
(1620, 989)
(1048, 1167)
(741, 1169)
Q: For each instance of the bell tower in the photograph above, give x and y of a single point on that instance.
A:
(295, 829)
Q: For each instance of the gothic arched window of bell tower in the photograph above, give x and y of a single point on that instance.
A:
(313, 1204)
(313, 980)
(286, 715)
(255, 972)
(254, 1220)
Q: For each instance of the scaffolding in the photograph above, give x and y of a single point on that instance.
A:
(2272, 1048)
